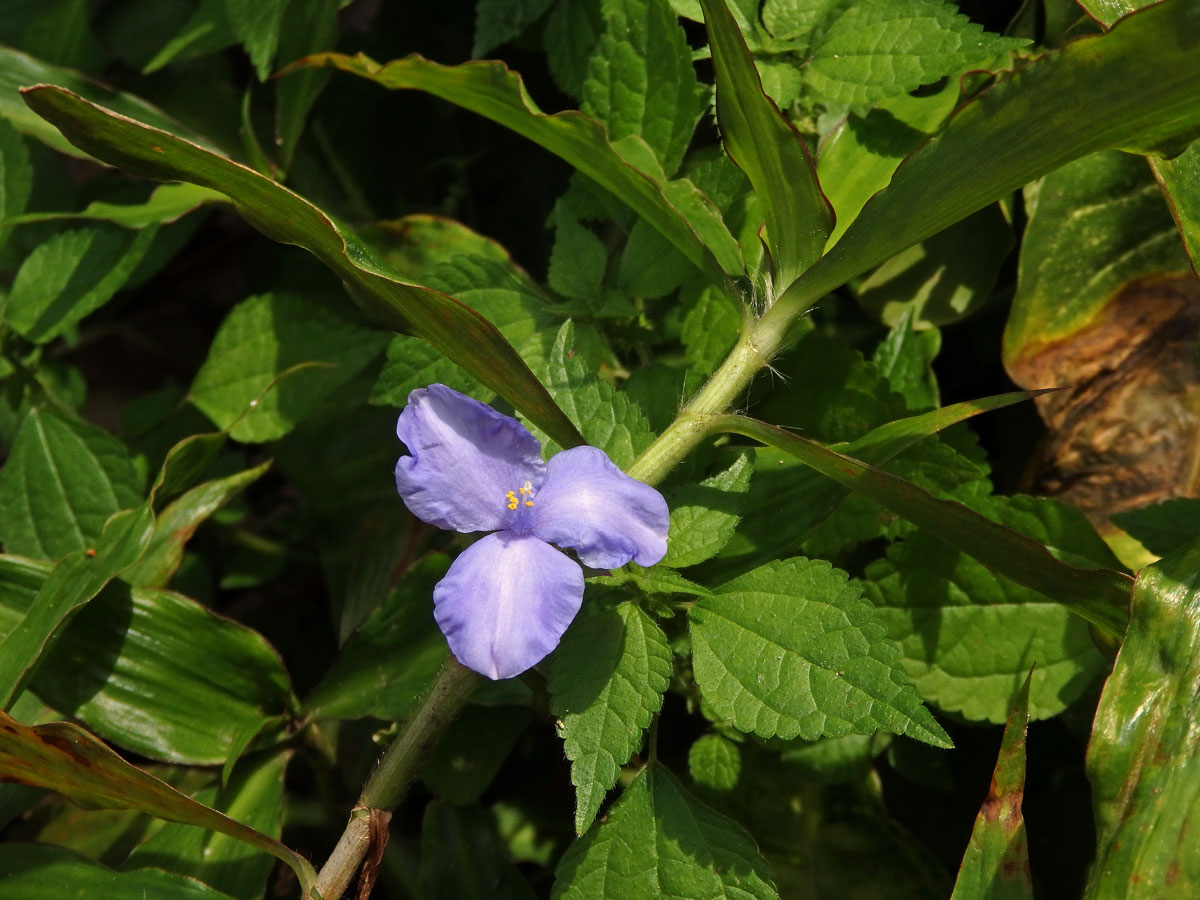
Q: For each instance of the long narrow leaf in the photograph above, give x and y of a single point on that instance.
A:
(491, 90)
(1131, 88)
(769, 150)
(463, 335)
(65, 758)
(1100, 596)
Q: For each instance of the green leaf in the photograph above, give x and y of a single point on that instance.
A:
(1140, 94)
(650, 266)
(19, 69)
(606, 418)
(790, 20)
(968, 637)
(905, 358)
(1109, 11)
(572, 30)
(66, 759)
(311, 27)
(780, 491)
(1180, 181)
(577, 260)
(207, 30)
(254, 797)
(78, 578)
(416, 245)
(463, 335)
(385, 667)
(880, 48)
(769, 150)
(1095, 226)
(1142, 758)
(260, 340)
(861, 153)
(256, 24)
(176, 524)
(168, 203)
(462, 857)
(16, 176)
(129, 658)
(499, 21)
(606, 681)
(1098, 595)
(640, 79)
(42, 872)
(472, 750)
(1163, 527)
(62, 481)
(995, 865)
(715, 763)
(493, 91)
(659, 841)
(944, 278)
(792, 649)
(71, 275)
(711, 326)
(704, 515)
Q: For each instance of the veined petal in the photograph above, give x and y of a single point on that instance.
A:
(588, 504)
(506, 602)
(465, 459)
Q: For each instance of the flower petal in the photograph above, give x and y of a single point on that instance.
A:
(465, 458)
(588, 504)
(506, 602)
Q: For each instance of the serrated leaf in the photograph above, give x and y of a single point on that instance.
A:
(881, 48)
(605, 417)
(650, 266)
(66, 759)
(16, 175)
(968, 637)
(463, 335)
(71, 275)
(653, 581)
(491, 90)
(499, 21)
(769, 150)
(711, 327)
(905, 358)
(256, 24)
(659, 841)
(27, 869)
(641, 81)
(704, 515)
(715, 762)
(254, 797)
(995, 865)
(262, 338)
(572, 30)
(577, 260)
(793, 649)
(62, 481)
(606, 681)
(791, 20)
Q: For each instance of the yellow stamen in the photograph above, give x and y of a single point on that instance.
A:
(526, 496)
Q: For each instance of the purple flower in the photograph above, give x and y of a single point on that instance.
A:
(508, 598)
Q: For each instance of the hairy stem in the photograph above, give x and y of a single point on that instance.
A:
(397, 770)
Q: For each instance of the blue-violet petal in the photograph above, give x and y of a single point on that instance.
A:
(588, 504)
(468, 463)
(506, 602)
